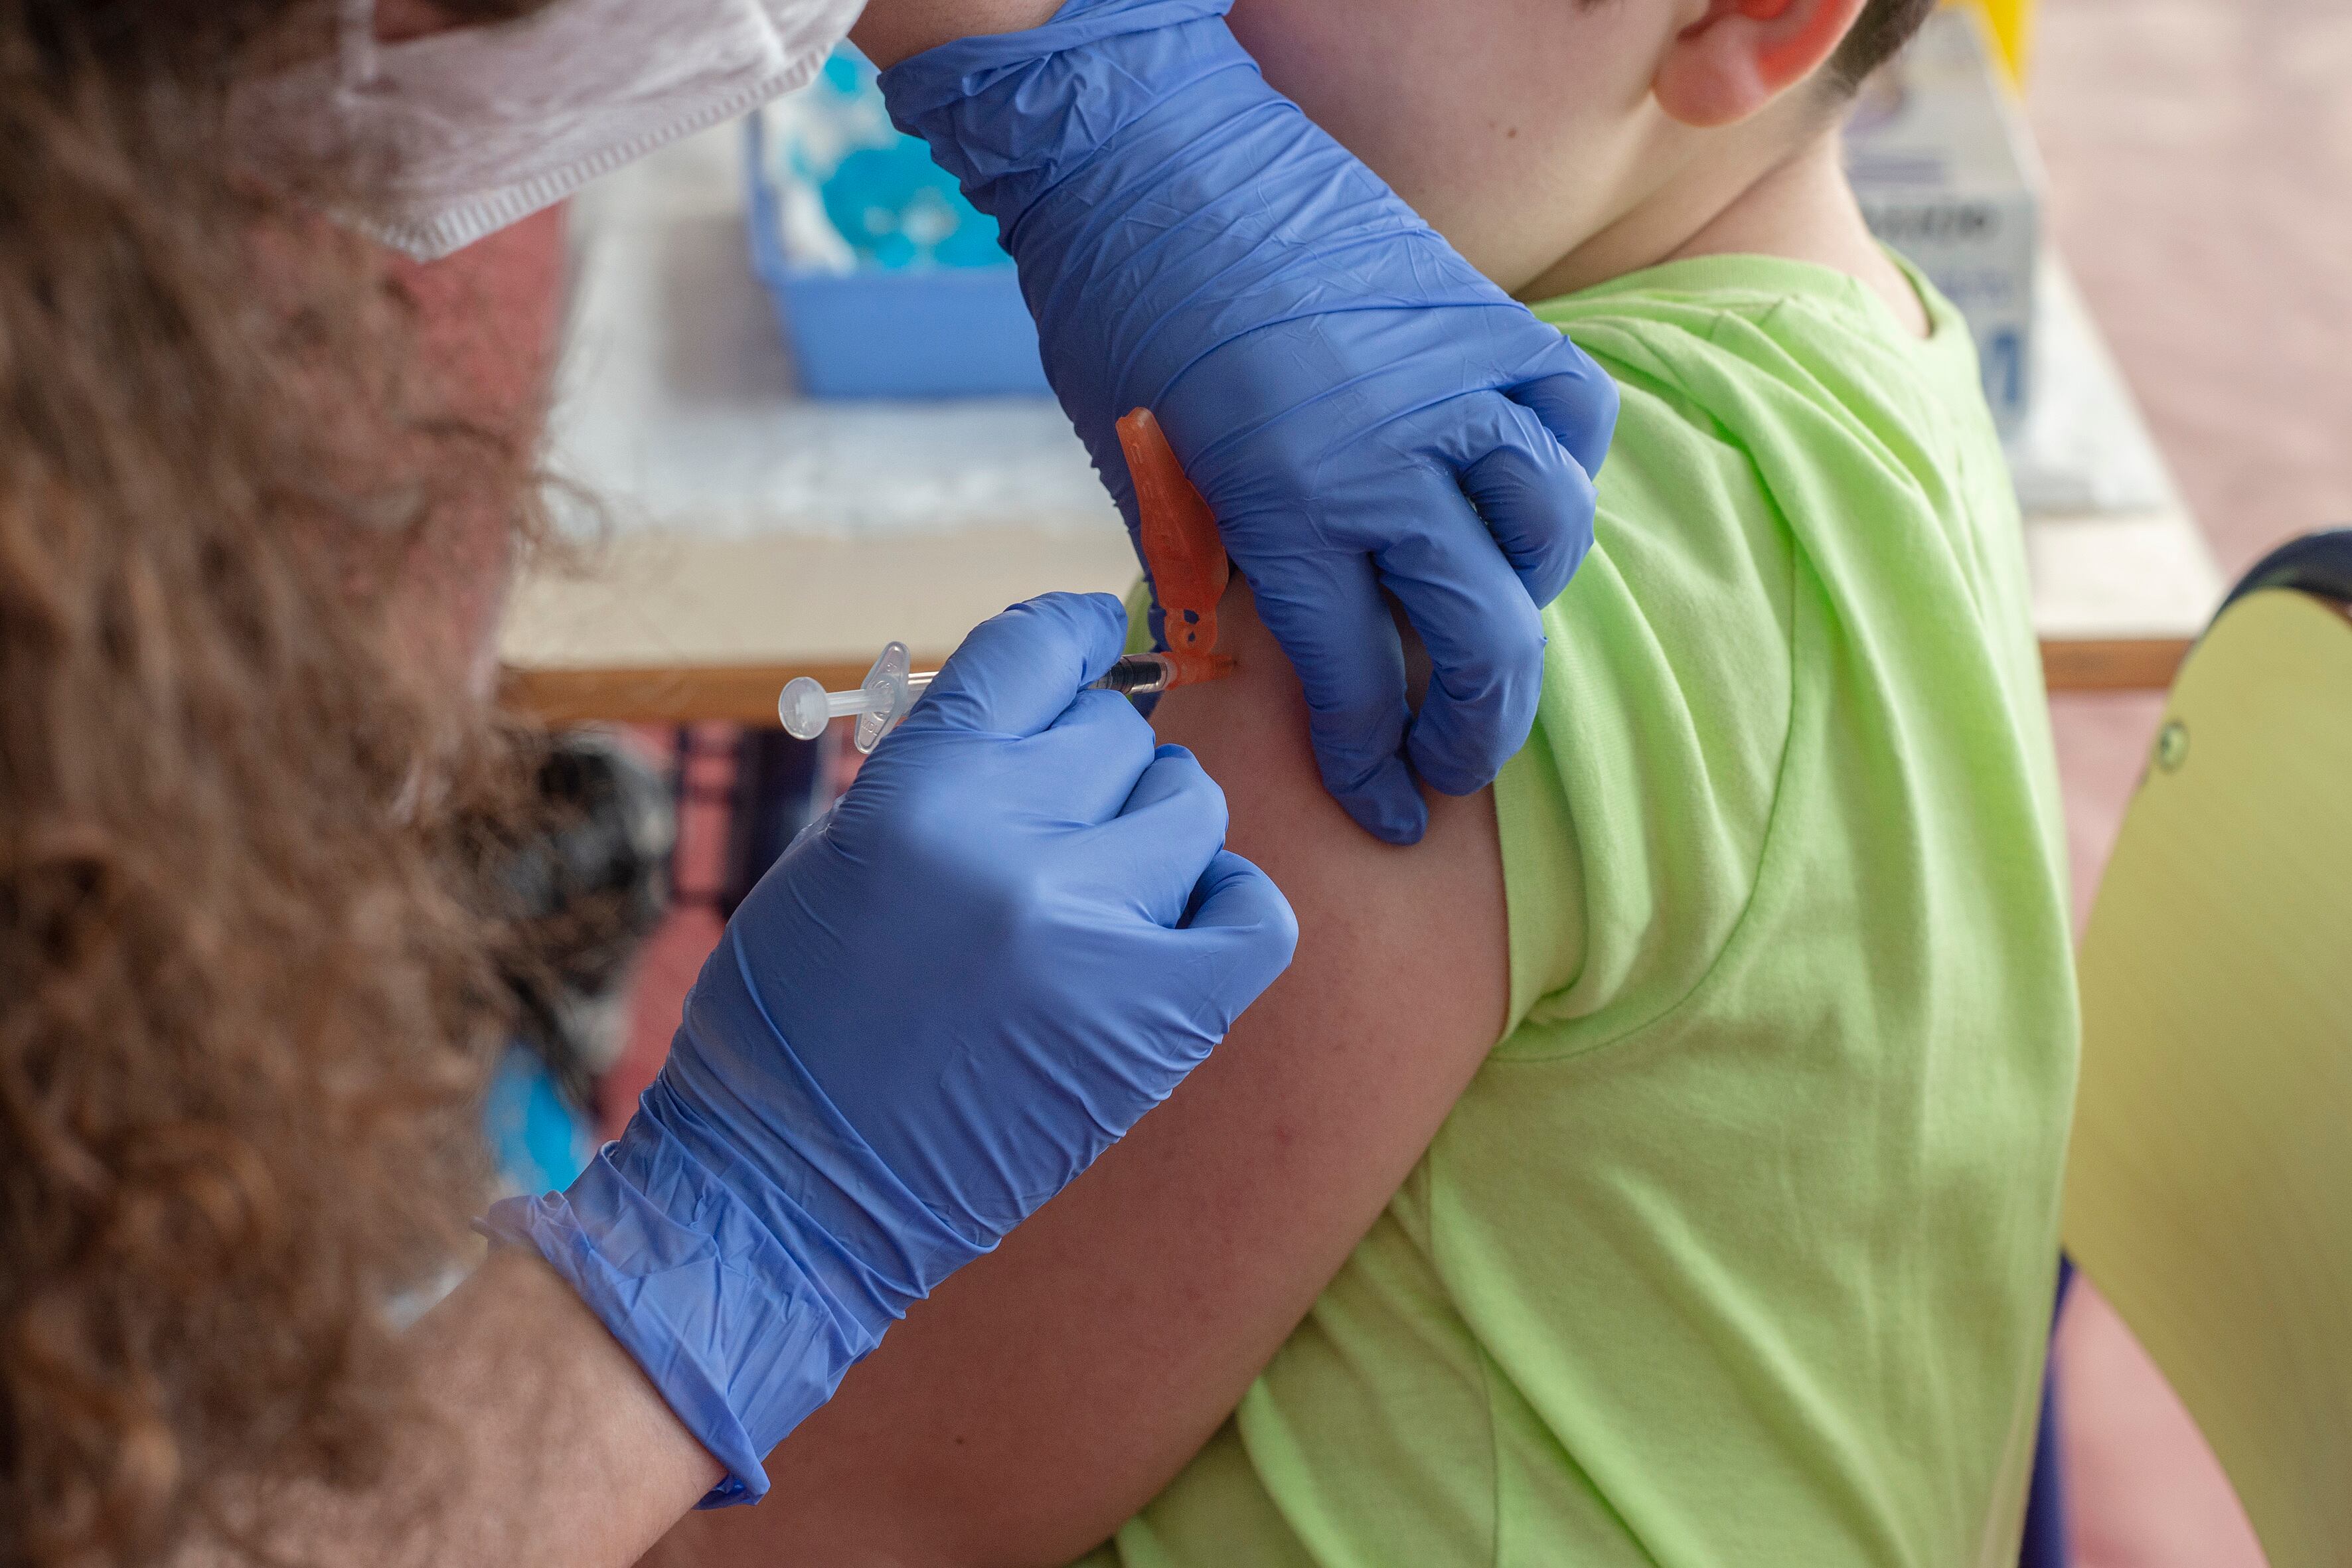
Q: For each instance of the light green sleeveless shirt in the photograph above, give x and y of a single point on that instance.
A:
(1739, 1248)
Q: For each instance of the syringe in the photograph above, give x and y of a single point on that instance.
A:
(890, 689)
(1189, 570)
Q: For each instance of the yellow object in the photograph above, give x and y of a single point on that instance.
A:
(2210, 1186)
(2013, 25)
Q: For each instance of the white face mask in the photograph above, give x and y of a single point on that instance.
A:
(462, 132)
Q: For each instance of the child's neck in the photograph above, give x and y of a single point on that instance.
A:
(1800, 207)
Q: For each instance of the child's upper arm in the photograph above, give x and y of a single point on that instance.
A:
(1051, 1389)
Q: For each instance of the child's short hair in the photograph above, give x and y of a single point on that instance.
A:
(1884, 26)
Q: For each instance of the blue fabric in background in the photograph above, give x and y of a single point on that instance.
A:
(539, 1142)
(2044, 1543)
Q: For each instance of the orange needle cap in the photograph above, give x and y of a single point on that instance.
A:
(1181, 548)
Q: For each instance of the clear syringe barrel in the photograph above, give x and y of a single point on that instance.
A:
(806, 707)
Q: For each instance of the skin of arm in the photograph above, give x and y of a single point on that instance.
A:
(887, 32)
(541, 1444)
(1049, 1390)
(892, 30)
(585, 1450)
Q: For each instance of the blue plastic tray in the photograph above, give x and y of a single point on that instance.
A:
(947, 331)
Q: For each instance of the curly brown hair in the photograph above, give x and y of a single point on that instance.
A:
(247, 987)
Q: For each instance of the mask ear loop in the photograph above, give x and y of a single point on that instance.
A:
(356, 49)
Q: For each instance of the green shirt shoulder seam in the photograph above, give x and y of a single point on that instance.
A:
(1533, 1054)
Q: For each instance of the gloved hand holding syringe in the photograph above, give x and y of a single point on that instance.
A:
(1189, 571)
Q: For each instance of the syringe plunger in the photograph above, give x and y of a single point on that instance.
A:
(806, 707)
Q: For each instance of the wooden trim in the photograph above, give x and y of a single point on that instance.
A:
(734, 694)
(745, 694)
(2121, 664)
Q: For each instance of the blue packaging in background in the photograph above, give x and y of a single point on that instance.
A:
(888, 283)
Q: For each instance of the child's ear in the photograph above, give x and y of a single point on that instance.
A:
(1743, 54)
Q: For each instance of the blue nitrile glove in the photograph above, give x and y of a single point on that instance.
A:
(1015, 933)
(1360, 407)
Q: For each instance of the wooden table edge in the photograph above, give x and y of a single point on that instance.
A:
(745, 694)
(2113, 664)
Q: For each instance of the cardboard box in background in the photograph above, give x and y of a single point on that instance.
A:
(1944, 166)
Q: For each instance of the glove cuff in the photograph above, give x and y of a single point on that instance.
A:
(1012, 114)
(656, 1286)
(742, 1310)
(1163, 199)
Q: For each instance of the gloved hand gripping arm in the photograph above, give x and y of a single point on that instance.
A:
(1360, 407)
(1015, 934)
